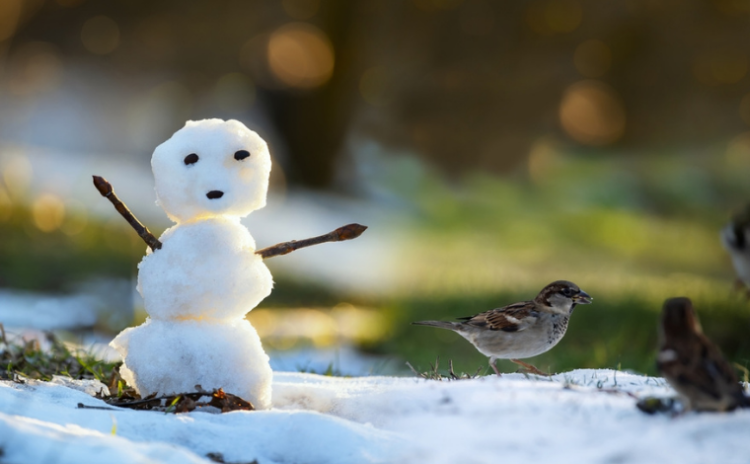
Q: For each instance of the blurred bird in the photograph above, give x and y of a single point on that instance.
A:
(520, 330)
(735, 237)
(693, 365)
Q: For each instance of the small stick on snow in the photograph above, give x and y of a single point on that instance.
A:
(105, 188)
(347, 232)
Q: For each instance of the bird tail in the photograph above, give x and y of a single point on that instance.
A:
(438, 324)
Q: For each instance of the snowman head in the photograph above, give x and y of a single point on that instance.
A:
(211, 168)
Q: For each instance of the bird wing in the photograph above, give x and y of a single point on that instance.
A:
(699, 369)
(512, 318)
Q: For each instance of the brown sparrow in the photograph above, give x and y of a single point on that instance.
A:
(520, 330)
(735, 237)
(693, 365)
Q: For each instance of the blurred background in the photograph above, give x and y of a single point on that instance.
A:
(491, 147)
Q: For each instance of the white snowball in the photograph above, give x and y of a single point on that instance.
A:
(182, 189)
(205, 269)
(166, 357)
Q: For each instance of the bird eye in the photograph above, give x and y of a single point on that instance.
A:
(567, 292)
(242, 154)
(192, 158)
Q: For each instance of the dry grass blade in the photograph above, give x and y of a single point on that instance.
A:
(434, 374)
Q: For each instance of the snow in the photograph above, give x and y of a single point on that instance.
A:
(583, 416)
(205, 269)
(199, 285)
(45, 312)
(182, 186)
(174, 356)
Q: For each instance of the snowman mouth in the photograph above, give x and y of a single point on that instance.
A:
(215, 194)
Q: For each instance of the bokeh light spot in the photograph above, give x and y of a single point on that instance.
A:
(548, 17)
(563, 15)
(48, 212)
(726, 66)
(100, 35)
(592, 58)
(300, 55)
(301, 9)
(592, 114)
(17, 174)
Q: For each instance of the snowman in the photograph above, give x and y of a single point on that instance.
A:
(198, 287)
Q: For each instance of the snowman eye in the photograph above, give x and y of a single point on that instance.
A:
(192, 158)
(242, 154)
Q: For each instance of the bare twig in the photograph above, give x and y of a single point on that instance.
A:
(84, 406)
(105, 188)
(185, 402)
(347, 232)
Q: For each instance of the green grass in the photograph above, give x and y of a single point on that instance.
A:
(630, 230)
(28, 359)
(620, 333)
(41, 261)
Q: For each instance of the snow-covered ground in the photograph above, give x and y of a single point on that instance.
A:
(583, 416)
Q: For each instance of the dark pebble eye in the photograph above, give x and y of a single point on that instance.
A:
(192, 158)
(567, 292)
(242, 154)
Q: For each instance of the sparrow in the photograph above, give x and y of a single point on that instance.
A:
(693, 365)
(735, 237)
(520, 330)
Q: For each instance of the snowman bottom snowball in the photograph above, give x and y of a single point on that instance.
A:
(166, 357)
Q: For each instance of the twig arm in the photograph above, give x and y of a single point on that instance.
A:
(105, 188)
(347, 232)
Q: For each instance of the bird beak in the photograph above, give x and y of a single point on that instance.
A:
(582, 298)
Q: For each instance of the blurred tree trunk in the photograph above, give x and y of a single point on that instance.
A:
(314, 123)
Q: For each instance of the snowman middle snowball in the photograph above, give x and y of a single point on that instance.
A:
(206, 276)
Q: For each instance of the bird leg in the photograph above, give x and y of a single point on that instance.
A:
(531, 369)
(494, 367)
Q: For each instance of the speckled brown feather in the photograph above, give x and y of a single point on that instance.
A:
(693, 365)
(512, 318)
(520, 330)
(518, 316)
